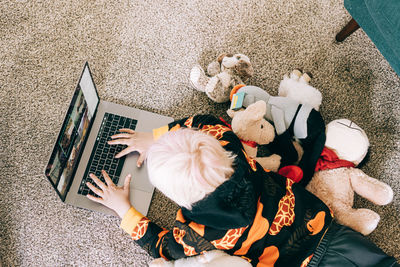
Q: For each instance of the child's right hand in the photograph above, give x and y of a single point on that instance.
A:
(136, 141)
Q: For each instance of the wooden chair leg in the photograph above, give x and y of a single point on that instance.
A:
(351, 27)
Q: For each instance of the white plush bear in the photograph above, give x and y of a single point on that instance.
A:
(296, 86)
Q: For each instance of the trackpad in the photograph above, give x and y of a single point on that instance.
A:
(140, 200)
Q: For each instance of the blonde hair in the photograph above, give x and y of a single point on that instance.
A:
(186, 165)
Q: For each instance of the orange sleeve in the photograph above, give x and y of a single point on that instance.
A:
(157, 133)
(130, 220)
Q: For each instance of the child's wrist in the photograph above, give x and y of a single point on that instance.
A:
(123, 209)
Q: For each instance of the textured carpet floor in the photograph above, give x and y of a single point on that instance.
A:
(141, 53)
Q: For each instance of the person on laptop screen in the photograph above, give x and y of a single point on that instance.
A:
(229, 202)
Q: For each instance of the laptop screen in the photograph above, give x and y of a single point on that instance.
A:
(71, 139)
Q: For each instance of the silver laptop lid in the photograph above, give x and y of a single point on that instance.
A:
(73, 134)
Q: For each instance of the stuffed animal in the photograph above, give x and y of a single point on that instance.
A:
(291, 120)
(208, 258)
(225, 73)
(296, 86)
(251, 127)
(336, 178)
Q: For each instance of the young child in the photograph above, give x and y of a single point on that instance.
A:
(229, 202)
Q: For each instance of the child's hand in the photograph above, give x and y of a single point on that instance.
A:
(136, 141)
(111, 196)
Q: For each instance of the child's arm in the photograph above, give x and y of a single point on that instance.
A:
(141, 141)
(197, 121)
(157, 241)
(145, 233)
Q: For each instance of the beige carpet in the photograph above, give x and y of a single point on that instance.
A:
(141, 53)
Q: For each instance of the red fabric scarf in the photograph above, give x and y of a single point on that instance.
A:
(329, 160)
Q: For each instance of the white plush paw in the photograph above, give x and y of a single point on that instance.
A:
(197, 78)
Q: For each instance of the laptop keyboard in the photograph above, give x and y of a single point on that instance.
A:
(103, 154)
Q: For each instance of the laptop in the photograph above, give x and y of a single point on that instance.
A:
(81, 148)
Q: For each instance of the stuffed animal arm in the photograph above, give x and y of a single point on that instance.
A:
(278, 117)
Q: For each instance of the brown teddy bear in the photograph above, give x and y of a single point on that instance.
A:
(224, 74)
(336, 178)
(249, 125)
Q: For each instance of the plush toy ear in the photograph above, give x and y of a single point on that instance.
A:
(256, 111)
(221, 57)
(244, 69)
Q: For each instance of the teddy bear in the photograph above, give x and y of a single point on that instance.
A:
(224, 73)
(337, 178)
(207, 259)
(292, 120)
(251, 127)
(297, 86)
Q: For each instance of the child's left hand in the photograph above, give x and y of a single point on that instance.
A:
(110, 195)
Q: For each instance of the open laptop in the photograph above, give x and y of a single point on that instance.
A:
(81, 148)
